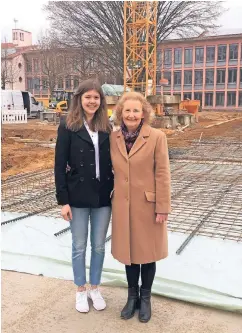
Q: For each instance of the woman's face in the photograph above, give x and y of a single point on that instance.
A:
(90, 102)
(132, 114)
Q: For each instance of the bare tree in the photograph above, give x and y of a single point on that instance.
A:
(57, 61)
(52, 62)
(9, 69)
(100, 24)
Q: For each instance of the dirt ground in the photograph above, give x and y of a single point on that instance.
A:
(35, 304)
(21, 157)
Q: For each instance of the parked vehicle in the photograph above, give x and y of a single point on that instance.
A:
(21, 100)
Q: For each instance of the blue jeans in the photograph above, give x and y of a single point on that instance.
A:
(99, 220)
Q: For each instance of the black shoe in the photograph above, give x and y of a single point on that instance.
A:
(145, 305)
(132, 304)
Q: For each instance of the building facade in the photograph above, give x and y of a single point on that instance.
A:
(42, 69)
(208, 69)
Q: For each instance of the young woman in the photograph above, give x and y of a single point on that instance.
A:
(140, 200)
(83, 188)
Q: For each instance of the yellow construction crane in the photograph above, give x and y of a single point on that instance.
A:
(140, 25)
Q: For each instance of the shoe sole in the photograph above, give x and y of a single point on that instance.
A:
(99, 309)
(126, 318)
(82, 311)
(144, 321)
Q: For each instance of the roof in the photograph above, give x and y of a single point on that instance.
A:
(22, 30)
(205, 37)
(8, 45)
(113, 89)
(21, 50)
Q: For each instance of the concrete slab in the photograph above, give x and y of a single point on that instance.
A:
(46, 305)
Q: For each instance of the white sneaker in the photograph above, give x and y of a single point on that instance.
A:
(81, 301)
(96, 297)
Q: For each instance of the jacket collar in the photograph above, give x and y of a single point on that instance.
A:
(84, 135)
(139, 143)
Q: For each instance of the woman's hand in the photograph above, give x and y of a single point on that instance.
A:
(160, 218)
(66, 213)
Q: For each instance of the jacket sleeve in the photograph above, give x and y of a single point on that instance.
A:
(61, 159)
(162, 176)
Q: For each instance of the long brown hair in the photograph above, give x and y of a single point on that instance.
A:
(76, 114)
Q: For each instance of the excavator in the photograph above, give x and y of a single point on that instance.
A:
(60, 100)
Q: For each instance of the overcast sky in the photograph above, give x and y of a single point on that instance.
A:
(31, 17)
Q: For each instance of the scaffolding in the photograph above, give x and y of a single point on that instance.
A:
(140, 25)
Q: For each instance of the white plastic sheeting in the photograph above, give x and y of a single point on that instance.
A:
(207, 272)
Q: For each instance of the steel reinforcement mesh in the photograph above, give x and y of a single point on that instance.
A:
(206, 191)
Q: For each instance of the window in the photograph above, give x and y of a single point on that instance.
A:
(68, 83)
(29, 66)
(187, 95)
(29, 83)
(188, 56)
(22, 36)
(36, 83)
(231, 98)
(20, 79)
(232, 75)
(240, 98)
(158, 77)
(19, 65)
(167, 75)
(36, 65)
(33, 100)
(76, 82)
(199, 97)
(240, 80)
(177, 78)
(199, 54)
(222, 52)
(220, 76)
(15, 36)
(167, 57)
(209, 76)
(92, 63)
(220, 99)
(45, 84)
(208, 99)
(233, 52)
(210, 53)
(198, 77)
(187, 77)
(60, 83)
(159, 58)
(178, 56)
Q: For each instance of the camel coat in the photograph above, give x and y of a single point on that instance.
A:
(141, 189)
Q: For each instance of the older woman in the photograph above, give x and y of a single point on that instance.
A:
(140, 200)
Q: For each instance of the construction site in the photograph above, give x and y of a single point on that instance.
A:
(198, 288)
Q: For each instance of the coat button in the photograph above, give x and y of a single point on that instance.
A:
(81, 150)
(81, 179)
(81, 164)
